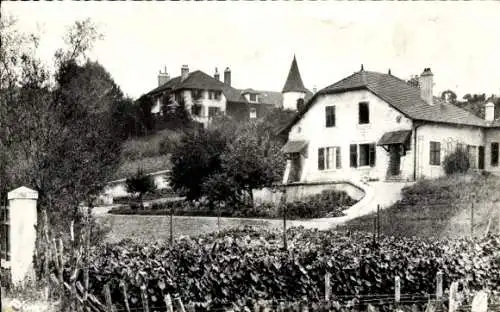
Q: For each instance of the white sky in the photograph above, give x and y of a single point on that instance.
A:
(460, 41)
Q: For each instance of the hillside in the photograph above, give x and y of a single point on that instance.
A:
(440, 208)
(152, 153)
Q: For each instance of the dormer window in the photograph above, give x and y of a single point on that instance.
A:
(252, 97)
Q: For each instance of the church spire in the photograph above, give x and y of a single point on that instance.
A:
(294, 81)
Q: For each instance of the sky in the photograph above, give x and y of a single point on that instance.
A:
(459, 41)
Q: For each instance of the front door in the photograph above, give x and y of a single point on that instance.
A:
(296, 168)
(394, 160)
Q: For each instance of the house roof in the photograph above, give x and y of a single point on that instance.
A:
(294, 81)
(395, 137)
(403, 97)
(200, 80)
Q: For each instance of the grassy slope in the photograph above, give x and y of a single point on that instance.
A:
(440, 208)
(152, 153)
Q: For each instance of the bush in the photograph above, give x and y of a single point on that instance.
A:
(329, 203)
(456, 162)
(140, 184)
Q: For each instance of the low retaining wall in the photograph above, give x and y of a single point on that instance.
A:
(300, 191)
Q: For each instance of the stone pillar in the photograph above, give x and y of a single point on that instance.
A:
(23, 219)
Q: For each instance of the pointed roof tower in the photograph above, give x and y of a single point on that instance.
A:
(294, 81)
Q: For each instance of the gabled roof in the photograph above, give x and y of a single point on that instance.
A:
(403, 97)
(294, 81)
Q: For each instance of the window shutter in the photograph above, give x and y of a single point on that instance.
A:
(494, 154)
(372, 155)
(353, 151)
(338, 158)
(321, 159)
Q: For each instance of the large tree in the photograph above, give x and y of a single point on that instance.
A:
(58, 138)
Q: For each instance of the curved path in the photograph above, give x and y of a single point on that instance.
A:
(152, 228)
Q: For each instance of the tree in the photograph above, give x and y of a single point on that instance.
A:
(140, 184)
(449, 96)
(58, 138)
(195, 159)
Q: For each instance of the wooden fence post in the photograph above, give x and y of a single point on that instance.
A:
(480, 302)
(472, 218)
(452, 302)
(328, 287)
(144, 298)
(439, 290)
(123, 288)
(178, 304)
(168, 303)
(171, 226)
(378, 222)
(107, 297)
(397, 291)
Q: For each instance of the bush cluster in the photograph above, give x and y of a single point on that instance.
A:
(329, 203)
(456, 162)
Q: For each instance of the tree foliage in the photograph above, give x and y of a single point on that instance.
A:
(226, 161)
(58, 135)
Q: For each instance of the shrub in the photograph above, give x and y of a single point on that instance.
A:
(140, 184)
(329, 203)
(456, 162)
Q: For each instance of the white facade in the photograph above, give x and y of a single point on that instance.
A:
(347, 131)
(290, 99)
(414, 163)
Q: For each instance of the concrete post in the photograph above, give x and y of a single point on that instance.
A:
(23, 219)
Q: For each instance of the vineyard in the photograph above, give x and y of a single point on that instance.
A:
(236, 268)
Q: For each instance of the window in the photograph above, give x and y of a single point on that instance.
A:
(494, 154)
(330, 116)
(253, 97)
(300, 105)
(480, 162)
(196, 109)
(253, 113)
(435, 154)
(217, 95)
(367, 155)
(364, 113)
(196, 94)
(213, 111)
(353, 155)
(329, 158)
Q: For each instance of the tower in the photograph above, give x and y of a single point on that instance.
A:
(294, 91)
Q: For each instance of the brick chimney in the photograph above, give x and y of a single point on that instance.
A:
(163, 77)
(216, 74)
(227, 76)
(489, 111)
(184, 72)
(426, 84)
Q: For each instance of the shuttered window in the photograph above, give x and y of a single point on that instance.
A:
(330, 116)
(494, 154)
(321, 159)
(353, 155)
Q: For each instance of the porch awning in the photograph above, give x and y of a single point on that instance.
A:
(294, 147)
(395, 137)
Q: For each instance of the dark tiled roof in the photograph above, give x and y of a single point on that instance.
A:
(401, 96)
(200, 80)
(395, 137)
(294, 81)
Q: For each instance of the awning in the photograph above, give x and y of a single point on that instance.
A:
(294, 147)
(395, 137)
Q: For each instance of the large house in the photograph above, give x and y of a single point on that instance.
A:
(206, 96)
(372, 125)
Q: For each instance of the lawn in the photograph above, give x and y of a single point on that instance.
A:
(440, 208)
(157, 228)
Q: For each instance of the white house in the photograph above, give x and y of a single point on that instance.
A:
(377, 126)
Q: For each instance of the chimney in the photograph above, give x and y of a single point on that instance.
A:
(489, 111)
(426, 83)
(216, 74)
(227, 76)
(163, 77)
(184, 72)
